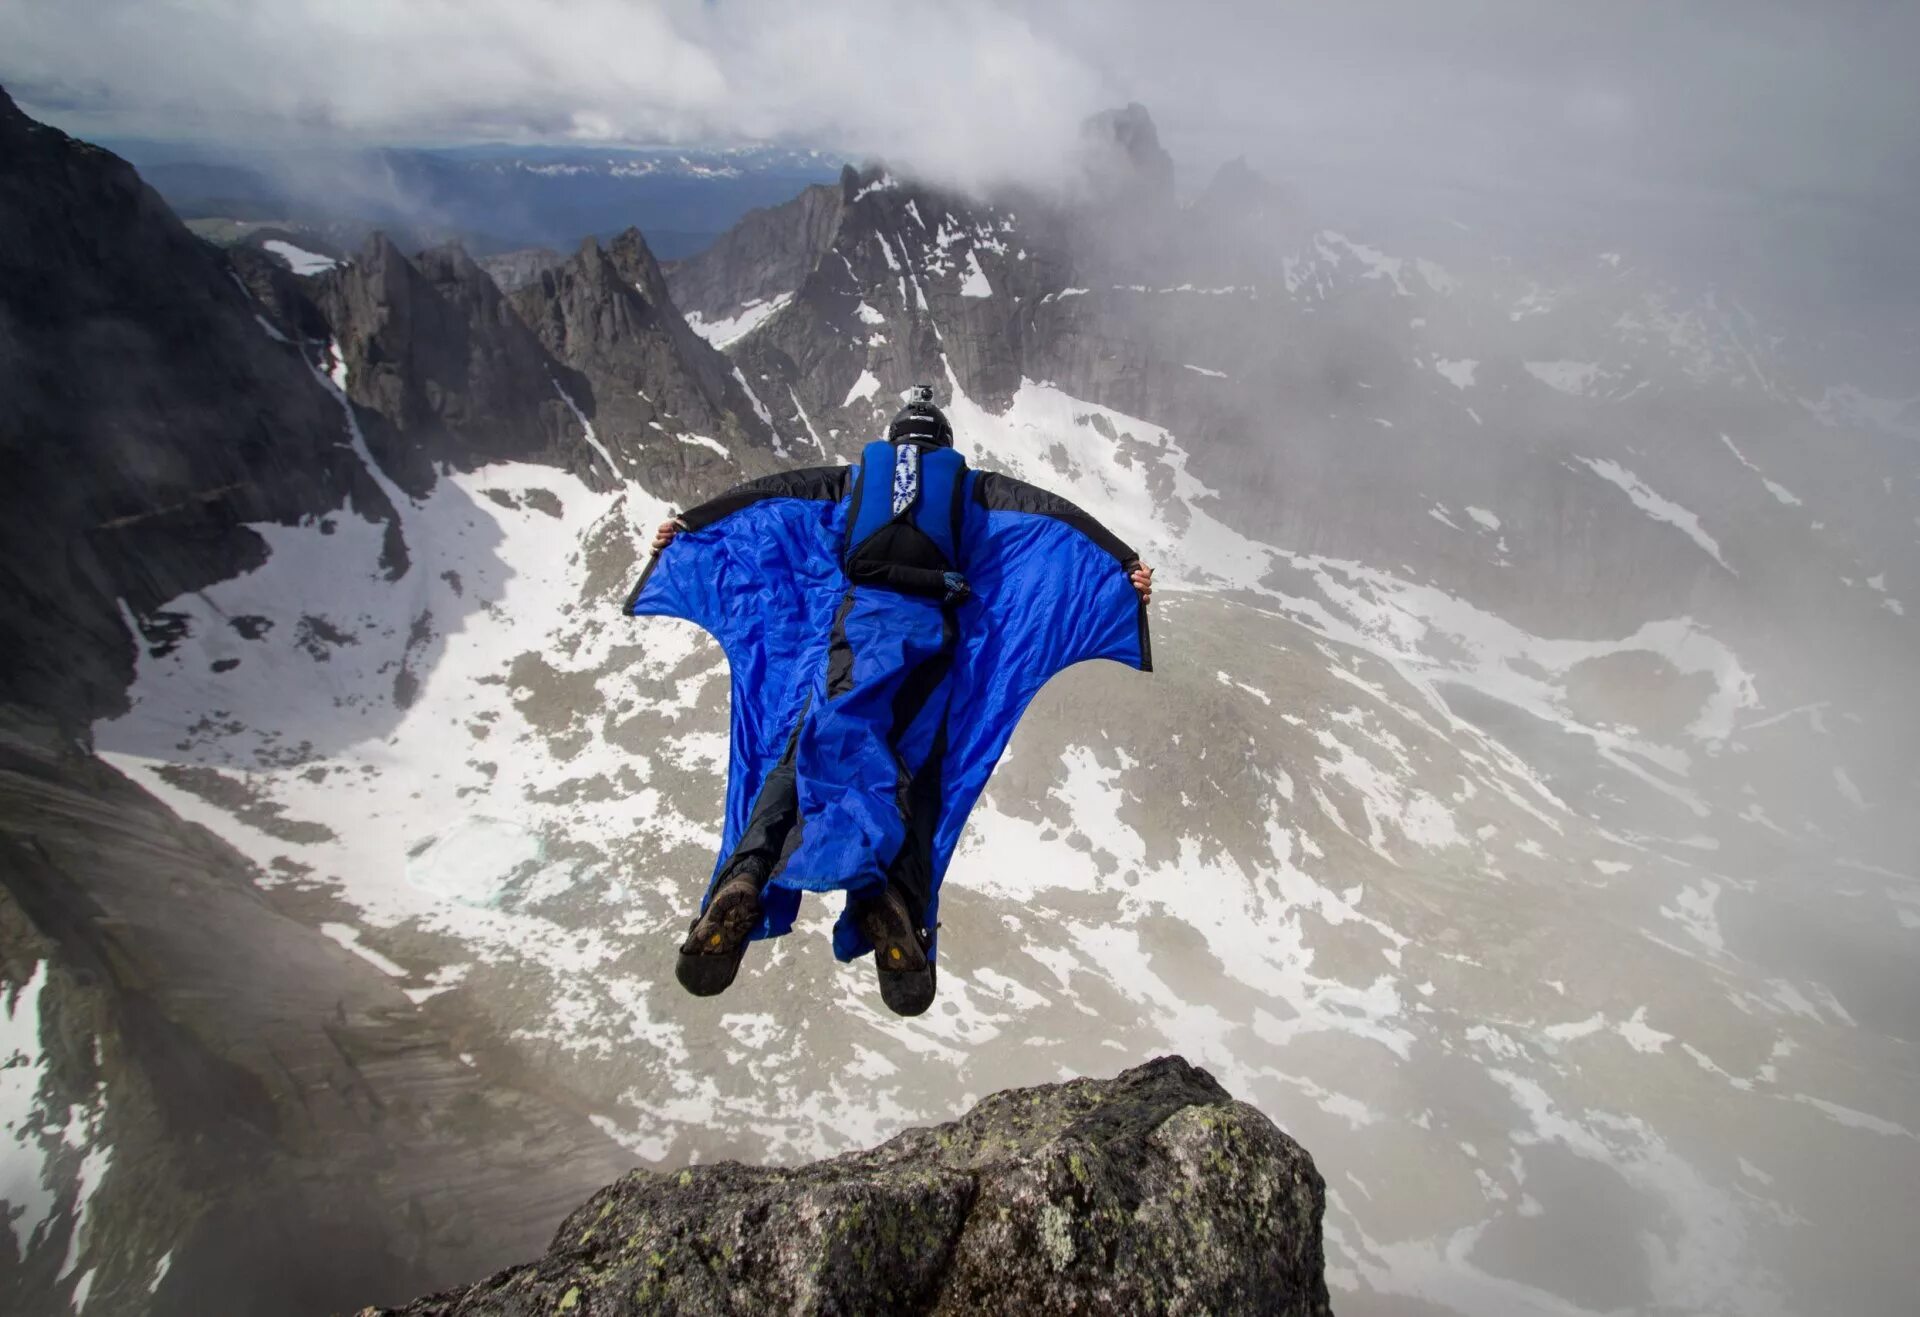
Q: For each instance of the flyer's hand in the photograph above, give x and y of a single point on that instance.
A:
(664, 536)
(1142, 578)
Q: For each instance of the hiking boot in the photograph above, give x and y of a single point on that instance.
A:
(900, 949)
(717, 941)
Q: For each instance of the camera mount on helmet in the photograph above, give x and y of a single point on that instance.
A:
(920, 422)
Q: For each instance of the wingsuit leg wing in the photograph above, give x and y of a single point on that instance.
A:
(758, 568)
(1050, 589)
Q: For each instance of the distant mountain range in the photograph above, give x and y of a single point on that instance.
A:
(492, 198)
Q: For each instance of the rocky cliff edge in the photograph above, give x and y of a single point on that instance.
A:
(1154, 1191)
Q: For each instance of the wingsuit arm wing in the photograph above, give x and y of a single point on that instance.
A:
(999, 493)
(675, 585)
(758, 568)
(827, 483)
(1045, 555)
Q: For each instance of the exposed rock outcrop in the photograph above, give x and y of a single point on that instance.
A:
(884, 281)
(163, 394)
(1152, 1192)
(914, 282)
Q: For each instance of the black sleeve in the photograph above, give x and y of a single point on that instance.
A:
(827, 483)
(998, 493)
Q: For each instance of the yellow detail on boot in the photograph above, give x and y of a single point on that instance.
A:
(714, 941)
(893, 952)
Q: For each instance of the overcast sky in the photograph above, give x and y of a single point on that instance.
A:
(1755, 97)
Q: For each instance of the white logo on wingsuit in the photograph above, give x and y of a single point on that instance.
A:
(906, 477)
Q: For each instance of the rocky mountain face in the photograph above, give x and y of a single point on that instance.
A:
(890, 294)
(148, 419)
(1151, 1192)
(1342, 402)
(646, 377)
(764, 256)
(449, 372)
(165, 396)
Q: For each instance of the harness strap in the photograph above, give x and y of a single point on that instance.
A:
(949, 588)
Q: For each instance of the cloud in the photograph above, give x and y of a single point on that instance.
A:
(1762, 97)
(1758, 95)
(970, 92)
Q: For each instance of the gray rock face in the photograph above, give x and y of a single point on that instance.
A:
(148, 417)
(896, 293)
(437, 354)
(766, 254)
(658, 396)
(1155, 1191)
(284, 1130)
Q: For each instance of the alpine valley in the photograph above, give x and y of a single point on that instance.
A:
(1519, 813)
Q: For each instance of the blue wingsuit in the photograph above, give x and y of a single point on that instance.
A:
(885, 627)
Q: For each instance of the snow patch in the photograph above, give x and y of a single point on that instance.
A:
(759, 408)
(863, 388)
(806, 421)
(299, 259)
(23, 1068)
(1573, 378)
(975, 283)
(1844, 784)
(749, 316)
(349, 937)
(593, 439)
(1376, 263)
(1660, 509)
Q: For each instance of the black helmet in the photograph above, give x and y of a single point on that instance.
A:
(920, 422)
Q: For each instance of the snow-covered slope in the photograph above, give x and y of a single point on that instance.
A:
(1504, 1019)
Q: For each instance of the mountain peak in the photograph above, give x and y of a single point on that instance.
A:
(1120, 150)
(380, 251)
(1237, 186)
(635, 261)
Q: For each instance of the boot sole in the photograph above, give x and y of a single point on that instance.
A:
(723, 932)
(907, 980)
